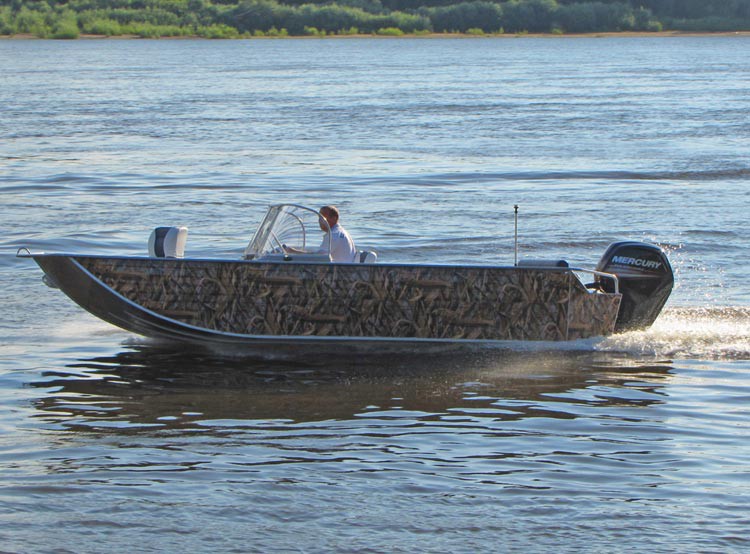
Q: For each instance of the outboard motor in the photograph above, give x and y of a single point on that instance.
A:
(167, 242)
(645, 278)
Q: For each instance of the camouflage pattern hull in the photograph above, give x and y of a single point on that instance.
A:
(253, 303)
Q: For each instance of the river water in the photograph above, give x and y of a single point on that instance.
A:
(634, 442)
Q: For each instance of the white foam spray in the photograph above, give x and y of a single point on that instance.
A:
(689, 332)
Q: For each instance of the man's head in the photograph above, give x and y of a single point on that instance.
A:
(331, 215)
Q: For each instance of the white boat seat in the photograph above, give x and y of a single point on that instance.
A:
(366, 257)
(167, 242)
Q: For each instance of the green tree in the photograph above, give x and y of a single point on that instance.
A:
(535, 16)
(486, 16)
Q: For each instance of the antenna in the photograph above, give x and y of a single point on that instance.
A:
(515, 249)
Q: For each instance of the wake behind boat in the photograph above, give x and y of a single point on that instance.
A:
(286, 294)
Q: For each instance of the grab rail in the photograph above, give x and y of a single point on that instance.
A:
(562, 265)
(601, 274)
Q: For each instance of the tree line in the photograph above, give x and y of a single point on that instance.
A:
(248, 18)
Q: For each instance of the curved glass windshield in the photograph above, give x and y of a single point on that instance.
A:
(289, 229)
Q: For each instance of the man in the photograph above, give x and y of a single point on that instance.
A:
(342, 245)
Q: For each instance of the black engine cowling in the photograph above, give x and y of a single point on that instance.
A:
(645, 278)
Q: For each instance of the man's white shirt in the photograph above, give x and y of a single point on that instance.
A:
(342, 245)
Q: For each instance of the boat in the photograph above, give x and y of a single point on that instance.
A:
(285, 294)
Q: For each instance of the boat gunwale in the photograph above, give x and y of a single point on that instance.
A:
(291, 261)
(554, 269)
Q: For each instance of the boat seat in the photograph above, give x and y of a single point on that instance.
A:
(366, 257)
(167, 242)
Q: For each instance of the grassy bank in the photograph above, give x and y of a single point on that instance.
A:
(622, 34)
(230, 19)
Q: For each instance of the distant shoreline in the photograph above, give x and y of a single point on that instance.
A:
(623, 34)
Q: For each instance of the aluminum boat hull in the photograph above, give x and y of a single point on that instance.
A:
(329, 306)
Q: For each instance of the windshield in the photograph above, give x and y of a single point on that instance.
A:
(288, 228)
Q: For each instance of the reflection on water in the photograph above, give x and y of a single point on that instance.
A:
(427, 454)
(169, 388)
